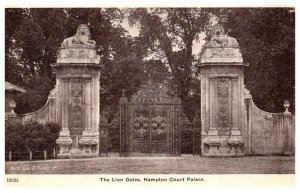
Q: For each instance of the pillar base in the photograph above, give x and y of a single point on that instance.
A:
(236, 143)
(64, 143)
(88, 142)
(213, 142)
(83, 155)
(64, 155)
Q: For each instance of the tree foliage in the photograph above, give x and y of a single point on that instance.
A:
(267, 40)
(175, 27)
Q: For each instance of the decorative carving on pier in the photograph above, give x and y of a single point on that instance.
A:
(223, 104)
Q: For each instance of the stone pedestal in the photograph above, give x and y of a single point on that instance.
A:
(77, 101)
(222, 96)
(212, 141)
(236, 142)
(64, 142)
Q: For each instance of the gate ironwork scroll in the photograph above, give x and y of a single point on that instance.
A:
(150, 122)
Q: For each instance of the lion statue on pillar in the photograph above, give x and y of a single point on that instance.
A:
(219, 38)
(80, 39)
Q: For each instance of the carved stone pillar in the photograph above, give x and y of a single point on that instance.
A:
(77, 96)
(97, 109)
(88, 138)
(222, 96)
(64, 140)
(52, 105)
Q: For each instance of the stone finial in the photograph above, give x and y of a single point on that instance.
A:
(123, 99)
(80, 39)
(12, 106)
(286, 105)
(123, 93)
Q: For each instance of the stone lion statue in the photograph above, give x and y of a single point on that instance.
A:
(80, 39)
(219, 38)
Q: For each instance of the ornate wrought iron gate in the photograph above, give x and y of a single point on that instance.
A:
(150, 122)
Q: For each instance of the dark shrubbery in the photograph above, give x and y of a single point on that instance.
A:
(14, 139)
(30, 136)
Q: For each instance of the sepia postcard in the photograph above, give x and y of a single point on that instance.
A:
(109, 96)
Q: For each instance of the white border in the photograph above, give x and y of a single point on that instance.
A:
(139, 3)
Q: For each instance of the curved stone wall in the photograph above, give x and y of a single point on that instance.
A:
(43, 115)
(269, 133)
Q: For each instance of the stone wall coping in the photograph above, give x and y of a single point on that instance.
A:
(221, 64)
(78, 47)
(76, 65)
(223, 75)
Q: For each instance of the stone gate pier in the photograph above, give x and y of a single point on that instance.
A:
(222, 94)
(231, 123)
(76, 93)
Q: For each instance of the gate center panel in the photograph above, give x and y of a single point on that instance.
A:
(160, 129)
(150, 129)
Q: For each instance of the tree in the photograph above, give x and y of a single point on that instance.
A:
(179, 28)
(12, 21)
(267, 40)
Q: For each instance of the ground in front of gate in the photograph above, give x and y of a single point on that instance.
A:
(157, 165)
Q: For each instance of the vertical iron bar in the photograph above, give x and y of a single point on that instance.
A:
(9, 155)
(200, 135)
(179, 131)
(172, 132)
(169, 129)
(126, 132)
(30, 155)
(45, 154)
(100, 139)
(106, 140)
(120, 123)
(150, 137)
(54, 154)
(193, 125)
